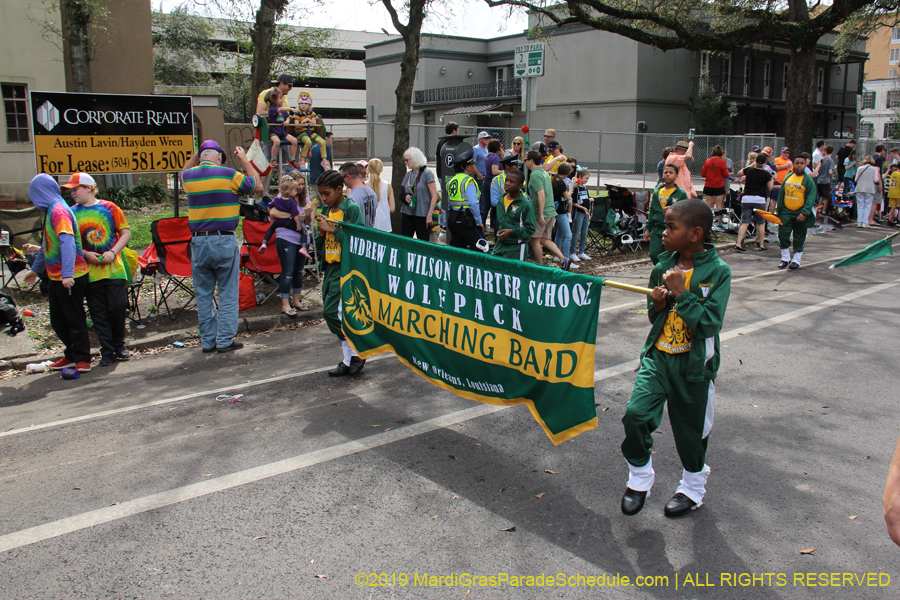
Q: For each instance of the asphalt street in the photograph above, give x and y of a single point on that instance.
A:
(136, 482)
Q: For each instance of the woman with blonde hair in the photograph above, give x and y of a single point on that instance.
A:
(518, 148)
(383, 192)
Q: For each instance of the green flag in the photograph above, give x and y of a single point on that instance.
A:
(877, 250)
(489, 329)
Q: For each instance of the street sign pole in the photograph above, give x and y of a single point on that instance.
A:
(528, 103)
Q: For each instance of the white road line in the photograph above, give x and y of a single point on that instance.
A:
(733, 281)
(125, 409)
(195, 490)
(752, 327)
(129, 508)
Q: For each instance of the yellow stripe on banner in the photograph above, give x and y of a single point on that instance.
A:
(556, 438)
(553, 363)
(213, 213)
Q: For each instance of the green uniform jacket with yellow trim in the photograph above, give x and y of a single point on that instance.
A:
(347, 211)
(656, 217)
(519, 217)
(810, 199)
(702, 308)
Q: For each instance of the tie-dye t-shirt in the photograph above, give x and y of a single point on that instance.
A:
(98, 224)
(59, 221)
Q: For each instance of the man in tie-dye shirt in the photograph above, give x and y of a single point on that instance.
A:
(104, 233)
(61, 256)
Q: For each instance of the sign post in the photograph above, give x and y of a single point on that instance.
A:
(529, 62)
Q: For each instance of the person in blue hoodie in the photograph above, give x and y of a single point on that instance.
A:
(61, 257)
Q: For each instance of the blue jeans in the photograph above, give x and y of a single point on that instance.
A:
(580, 230)
(563, 234)
(292, 264)
(215, 260)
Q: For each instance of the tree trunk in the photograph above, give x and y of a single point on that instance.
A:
(798, 130)
(78, 20)
(262, 35)
(404, 92)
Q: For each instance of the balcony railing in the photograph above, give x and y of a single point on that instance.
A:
(761, 89)
(510, 88)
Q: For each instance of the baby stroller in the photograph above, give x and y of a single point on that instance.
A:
(9, 314)
(629, 226)
(729, 218)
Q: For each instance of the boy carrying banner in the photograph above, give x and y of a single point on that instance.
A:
(679, 360)
(328, 245)
(515, 219)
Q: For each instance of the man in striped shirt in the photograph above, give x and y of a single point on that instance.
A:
(213, 212)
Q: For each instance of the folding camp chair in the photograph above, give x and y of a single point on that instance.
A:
(264, 266)
(24, 227)
(601, 227)
(172, 242)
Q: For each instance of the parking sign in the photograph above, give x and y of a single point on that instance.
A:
(529, 60)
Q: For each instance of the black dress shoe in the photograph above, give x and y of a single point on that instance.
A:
(783, 264)
(680, 505)
(356, 365)
(209, 350)
(794, 266)
(231, 347)
(340, 370)
(633, 501)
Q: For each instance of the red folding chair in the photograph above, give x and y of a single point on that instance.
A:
(265, 267)
(172, 242)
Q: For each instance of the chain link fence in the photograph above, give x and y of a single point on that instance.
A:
(628, 157)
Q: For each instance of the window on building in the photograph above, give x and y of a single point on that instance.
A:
(892, 74)
(501, 72)
(866, 129)
(891, 130)
(893, 98)
(16, 111)
(895, 37)
(820, 86)
(784, 80)
(767, 78)
(704, 64)
(726, 73)
(868, 100)
(895, 56)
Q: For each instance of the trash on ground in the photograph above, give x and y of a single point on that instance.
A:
(178, 344)
(231, 398)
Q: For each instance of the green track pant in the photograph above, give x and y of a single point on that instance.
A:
(656, 247)
(508, 250)
(790, 224)
(661, 379)
(331, 298)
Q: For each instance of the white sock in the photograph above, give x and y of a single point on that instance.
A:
(786, 254)
(693, 485)
(346, 349)
(640, 479)
(797, 257)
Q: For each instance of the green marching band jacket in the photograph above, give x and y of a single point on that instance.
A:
(656, 219)
(701, 307)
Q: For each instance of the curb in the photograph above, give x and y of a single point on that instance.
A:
(640, 261)
(245, 325)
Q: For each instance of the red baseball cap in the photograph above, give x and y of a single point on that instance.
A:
(76, 179)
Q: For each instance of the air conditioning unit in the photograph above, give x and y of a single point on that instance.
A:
(642, 127)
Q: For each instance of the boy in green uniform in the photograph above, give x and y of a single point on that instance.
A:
(795, 209)
(661, 199)
(680, 358)
(328, 246)
(515, 218)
